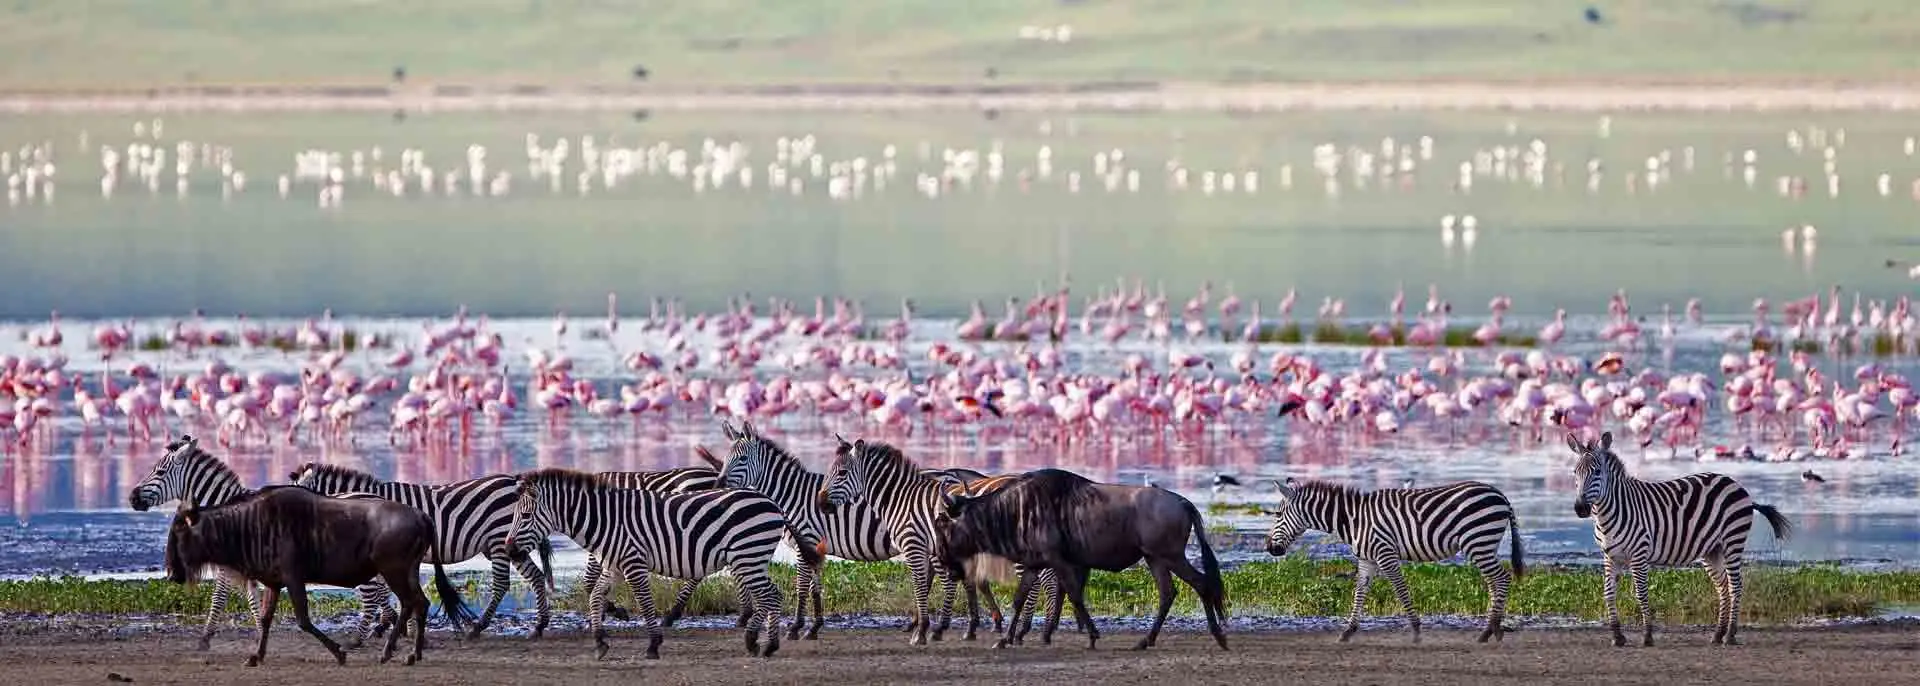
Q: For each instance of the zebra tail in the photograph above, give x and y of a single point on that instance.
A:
(450, 604)
(1519, 558)
(1209, 563)
(1782, 529)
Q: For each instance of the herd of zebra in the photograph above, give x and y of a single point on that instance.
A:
(875, 504)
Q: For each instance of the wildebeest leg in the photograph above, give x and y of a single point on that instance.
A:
(1074, 580)
(993, 609)
(269, 603)
(1163, 579)
(497, 586)
(543, 602)
(413, 604)
(1022, 617)
(641, 584)
(297, 596)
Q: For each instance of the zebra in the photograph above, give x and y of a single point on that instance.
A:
(854, 532)
(1395, 525)
(1704, 518)
(668, 482)
(687, 536)
(189, 474)
(470, 518)
(907, 499)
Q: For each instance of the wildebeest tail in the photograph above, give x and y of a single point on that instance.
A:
(1519, 558)
(1209, 564)
(450, 604)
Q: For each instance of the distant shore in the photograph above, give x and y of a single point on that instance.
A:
(1572, 96)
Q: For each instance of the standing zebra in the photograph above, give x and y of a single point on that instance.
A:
(190, 475)
(907, 499)
(470, 518)
(1704, 518)
(1395, 525)
(687, 536)
(854, 532)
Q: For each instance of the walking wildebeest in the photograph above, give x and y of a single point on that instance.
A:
(1054, 519)
(286, 537)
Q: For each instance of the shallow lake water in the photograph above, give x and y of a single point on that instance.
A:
(942, 229)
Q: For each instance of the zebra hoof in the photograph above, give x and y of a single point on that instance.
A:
(600, 650)
(253, 660)
(1646, 642)
(1000, 644)
(753, 643)
(1144, 644)
(772, 645)
(474, 632)
(411, 660)
(204, 645)
(1619, 641)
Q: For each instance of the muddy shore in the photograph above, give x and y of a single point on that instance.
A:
(1883, 654)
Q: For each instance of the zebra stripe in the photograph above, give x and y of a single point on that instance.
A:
(686, 536)
(671, 481)
(188, 474)
(1391, 526)
(854, 532)
(470, 518)
(1699, 518)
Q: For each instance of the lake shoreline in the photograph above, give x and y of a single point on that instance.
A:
(1564, 95)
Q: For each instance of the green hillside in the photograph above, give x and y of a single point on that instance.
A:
(138, 43)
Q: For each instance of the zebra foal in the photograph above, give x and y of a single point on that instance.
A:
(1391, 526)
(1701, 518)
(686, 536)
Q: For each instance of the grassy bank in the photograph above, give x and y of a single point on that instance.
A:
(1292, 586)
(119, 43)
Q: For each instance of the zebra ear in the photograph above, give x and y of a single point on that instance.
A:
(746, 429)
(1606, 440)
(726, 429)
(844, 445)
(1285, 489)
(1573, 443)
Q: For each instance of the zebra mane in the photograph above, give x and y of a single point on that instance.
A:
(339, 471)
(881, 455)
(772, 450)
(562, 476)
(1325, 487)
(189, 454)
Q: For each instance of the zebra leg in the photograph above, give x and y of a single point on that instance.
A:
(1055, 604)
(641, 584)
(597, 615)
(496, 592)
(680, 602)
(1499, 583)
(1717, 576)
(543, 602)
(1361, 581)
(591, 577)
(373, 604)
(1016, 626)
(758, 590)
(1610, 593)
(945, 614)
(1734, 591)
(222, 587)
(1640, 569)
(920, 569)
(1390, 566)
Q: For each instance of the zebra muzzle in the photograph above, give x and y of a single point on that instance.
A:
(824, 503)
(1582, 509)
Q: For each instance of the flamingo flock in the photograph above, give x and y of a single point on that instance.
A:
(1127, 364)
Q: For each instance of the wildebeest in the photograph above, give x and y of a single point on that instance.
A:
(1056, 519)
(285, 537)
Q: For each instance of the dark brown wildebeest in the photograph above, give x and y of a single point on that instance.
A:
(285, 537)
(1055, 519)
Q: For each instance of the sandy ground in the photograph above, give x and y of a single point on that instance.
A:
(1550, 95)
(1861, 655)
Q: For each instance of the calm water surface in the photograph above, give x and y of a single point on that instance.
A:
(1348, 231)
